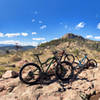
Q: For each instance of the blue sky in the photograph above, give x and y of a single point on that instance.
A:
(30, 22)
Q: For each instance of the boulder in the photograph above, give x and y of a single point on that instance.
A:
(0, 76)
(10, 74)
(97, 86)
(13, 65)
(21, 63)
(71, 95)
(51, 97)
(2, 88)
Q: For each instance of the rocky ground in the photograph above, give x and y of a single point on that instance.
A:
(85, 85)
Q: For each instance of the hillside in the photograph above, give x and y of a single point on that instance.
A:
(72, 38)
(75, 44)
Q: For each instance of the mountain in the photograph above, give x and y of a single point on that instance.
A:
(75, 44)
(72, 38)
(10, 48)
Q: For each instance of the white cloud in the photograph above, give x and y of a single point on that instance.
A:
(80, 25)
(34, 33)
(44, 42)
(33, 20)
(98, 26)
(38, 39)
(55, 38)
(29, 43)
(97, 37)
(35, 43)
(24, 34)
(1, 34)
(93, 37)
(89, 36)
(13, 42)
(9, 42)
(12, 34)
(16, 34)
(40, 22)
(43, 27)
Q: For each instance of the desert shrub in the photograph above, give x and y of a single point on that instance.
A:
(76, 52)
(15, 58)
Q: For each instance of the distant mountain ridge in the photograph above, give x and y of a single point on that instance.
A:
(9, 48)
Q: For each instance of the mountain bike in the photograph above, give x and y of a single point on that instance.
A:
(32, 73)
(85, 62)
(67, 57)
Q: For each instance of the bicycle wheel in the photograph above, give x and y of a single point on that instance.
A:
(76, 67)
(29, 73)
(70, 58)
(92, 63)
(64, 71)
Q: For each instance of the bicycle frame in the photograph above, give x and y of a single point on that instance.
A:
(51, 62)
(82, 60)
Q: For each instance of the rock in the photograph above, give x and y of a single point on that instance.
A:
(51, 97)
(10, 74)
(83, 96)
(86, 84)
(71, 95)
(97, 86)
(2, 88)
(95, 97)
(49, 89)
(11, 65)
(0, 76)
(87, 74)
(21, 63)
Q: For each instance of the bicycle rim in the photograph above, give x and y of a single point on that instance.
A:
(29, 73)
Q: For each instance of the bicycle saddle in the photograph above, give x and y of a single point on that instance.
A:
(38, 54)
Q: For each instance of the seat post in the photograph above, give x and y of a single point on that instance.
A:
(77, 58)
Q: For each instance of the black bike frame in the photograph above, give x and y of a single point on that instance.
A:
(51, 62)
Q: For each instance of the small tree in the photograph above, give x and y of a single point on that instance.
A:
(76, 52)
(7, 51)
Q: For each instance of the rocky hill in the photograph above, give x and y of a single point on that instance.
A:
(76, 45)
(72, 39)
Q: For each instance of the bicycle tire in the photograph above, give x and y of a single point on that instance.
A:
(23, 69)
(60, 71)
(92, 63)
(69, 57)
